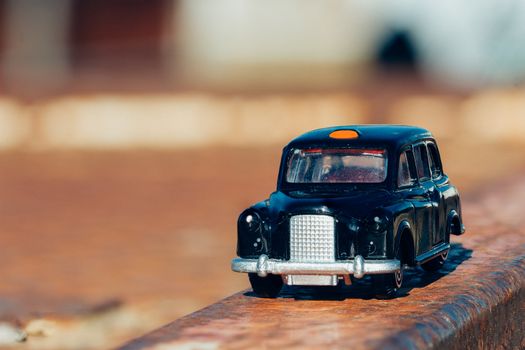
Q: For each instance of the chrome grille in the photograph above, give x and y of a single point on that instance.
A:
(312, 238)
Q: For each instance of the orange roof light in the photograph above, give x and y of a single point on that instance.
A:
(344, 134)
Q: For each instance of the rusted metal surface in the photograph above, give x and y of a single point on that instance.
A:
(98, 243)
(476, 301)
(110, 240)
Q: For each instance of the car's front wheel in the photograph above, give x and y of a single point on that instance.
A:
(387, 285)
(266, 287)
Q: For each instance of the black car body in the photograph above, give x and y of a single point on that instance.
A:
(351, 200)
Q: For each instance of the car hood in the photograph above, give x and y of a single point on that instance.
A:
(356, 204)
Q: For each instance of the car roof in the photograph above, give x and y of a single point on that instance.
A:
(391, 136)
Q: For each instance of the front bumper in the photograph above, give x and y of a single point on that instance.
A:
(357, 267)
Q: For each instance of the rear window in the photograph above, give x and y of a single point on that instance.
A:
(328, 165)
(435, 162)
(405, 174)
(423, 170)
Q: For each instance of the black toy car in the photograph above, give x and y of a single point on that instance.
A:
(352, 200)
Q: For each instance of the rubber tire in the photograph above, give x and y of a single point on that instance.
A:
(436, 263)
(266, 287)
(386, 285)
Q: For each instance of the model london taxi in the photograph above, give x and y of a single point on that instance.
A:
(351, 201)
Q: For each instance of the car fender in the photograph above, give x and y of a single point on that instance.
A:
(410, 255)
(403, 225)
(452, 215)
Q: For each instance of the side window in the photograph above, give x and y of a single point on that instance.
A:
(421, 157)
(406, 175)
(435, 162)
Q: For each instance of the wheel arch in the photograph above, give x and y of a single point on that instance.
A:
(405, 241)
(454, 225)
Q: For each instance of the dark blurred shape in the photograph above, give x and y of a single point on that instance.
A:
(34, 50)
(397, 51)
(118, 32)
(3, 16)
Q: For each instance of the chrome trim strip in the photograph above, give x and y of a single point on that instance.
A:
(357, 267)
(423, 258)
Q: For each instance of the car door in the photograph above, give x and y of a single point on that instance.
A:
(441, 185)
(416, 193)
(429, 211)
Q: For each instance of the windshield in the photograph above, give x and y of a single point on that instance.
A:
(344, 165)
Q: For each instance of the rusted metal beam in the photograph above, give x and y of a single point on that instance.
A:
(476, 301)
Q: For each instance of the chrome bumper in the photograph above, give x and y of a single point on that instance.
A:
(357, 267)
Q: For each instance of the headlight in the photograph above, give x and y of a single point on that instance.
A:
(251, 221)
(354, 225)
(378, 223)
(377, 235)
(251, 234)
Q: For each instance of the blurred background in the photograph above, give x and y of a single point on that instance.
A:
(133, 133)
